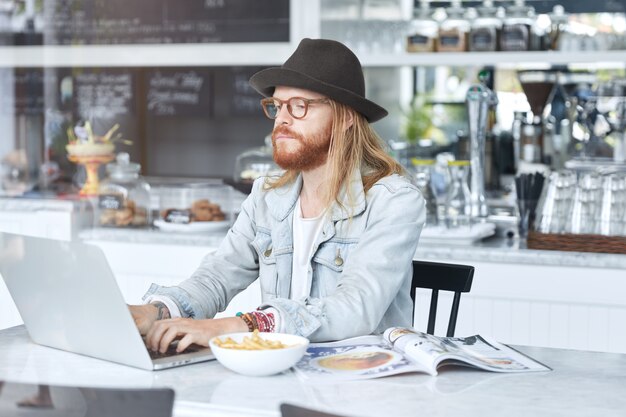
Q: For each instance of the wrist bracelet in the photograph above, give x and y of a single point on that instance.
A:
(246, 318)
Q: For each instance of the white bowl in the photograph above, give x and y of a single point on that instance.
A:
(264, 361)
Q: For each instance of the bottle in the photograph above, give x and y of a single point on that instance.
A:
(440, 183)
(519, 119)
(517, 27)
(485, 29)
(559, 24)
(530, 143)
(454, 30)
(458, 202)
(124, 196)
(422, 169)
(422, 32)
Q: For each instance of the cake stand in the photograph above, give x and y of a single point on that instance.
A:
(91, 164)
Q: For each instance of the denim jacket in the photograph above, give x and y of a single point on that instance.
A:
(361, 266)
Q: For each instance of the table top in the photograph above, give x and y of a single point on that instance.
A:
(581, 384)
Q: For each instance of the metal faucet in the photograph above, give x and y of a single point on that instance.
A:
(479, 99)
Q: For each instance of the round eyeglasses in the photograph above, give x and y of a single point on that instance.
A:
(296, 106)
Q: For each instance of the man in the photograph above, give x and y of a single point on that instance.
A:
(331, 240)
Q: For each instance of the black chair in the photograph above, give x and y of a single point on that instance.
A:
(446, 277)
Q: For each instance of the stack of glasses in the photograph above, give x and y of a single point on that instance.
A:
(583, 203)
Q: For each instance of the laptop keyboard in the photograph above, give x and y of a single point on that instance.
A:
(171, 351)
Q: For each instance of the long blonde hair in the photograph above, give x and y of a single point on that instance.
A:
(358, 147)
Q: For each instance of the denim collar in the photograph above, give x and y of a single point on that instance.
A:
(282, 201)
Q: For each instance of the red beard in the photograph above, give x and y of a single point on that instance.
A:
(310, 152)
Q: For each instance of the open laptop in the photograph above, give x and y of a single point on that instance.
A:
(69, 299)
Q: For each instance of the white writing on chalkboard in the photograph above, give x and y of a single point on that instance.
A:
(212, 4)
(168, 91)
(71, 22)
(103, 95)
(245, 100)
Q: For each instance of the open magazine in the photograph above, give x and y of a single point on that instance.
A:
(401, 350)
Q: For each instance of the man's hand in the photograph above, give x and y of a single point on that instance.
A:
(146, 315)
(189, 331)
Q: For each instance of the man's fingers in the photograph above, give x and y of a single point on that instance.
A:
(168, 337)
(155, 334)
(163, 332)
(142, 317)
(184, 343)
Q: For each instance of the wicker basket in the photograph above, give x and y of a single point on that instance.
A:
(577, 243)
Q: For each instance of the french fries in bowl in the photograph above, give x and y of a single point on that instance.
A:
(258, 354)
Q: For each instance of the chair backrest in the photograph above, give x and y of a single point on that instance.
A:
(439, 276)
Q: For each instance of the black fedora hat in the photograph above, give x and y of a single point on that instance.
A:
(326, 67)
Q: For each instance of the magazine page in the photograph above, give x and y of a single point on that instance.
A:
(422, 348)
(357, 358)
(491, 355)
(476, 350)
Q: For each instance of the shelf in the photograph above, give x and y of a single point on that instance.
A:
(233, 54)
(587, 59)
(223, 54)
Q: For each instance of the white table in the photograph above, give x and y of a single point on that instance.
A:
(582, 384)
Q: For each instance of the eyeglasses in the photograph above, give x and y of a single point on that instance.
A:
(296, 106)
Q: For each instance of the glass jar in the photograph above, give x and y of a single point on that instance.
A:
(458, 202)
(124, 196)
(422, 32)
(256, 162)
(559, 24)
(485, 29)
(422, 169)
(517, 27)
(454, 30)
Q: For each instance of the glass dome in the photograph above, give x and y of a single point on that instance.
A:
(255, 163)
(124, 196)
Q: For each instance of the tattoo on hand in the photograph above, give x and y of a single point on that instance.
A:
(162, 311)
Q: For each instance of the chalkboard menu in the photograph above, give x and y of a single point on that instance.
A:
(245, 100)
(165, 21)
(181, 92)
(102, 95)
(21, 90)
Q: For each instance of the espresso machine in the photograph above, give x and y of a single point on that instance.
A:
(479, 100)
(537, 86)
(601, 125)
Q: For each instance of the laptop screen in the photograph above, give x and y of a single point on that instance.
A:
(22, 400)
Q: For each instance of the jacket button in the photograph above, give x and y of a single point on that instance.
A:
(338, 261)
(267, 252)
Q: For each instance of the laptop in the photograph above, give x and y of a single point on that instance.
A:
(22, 400)
(69, 299)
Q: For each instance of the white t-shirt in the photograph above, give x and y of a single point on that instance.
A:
(305, 234)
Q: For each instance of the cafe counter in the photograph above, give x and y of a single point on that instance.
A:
(497, 249)
(520, 296)
(580, 384)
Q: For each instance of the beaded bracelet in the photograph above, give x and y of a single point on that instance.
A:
(265, 321)
(257, 320)
(246, 318)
